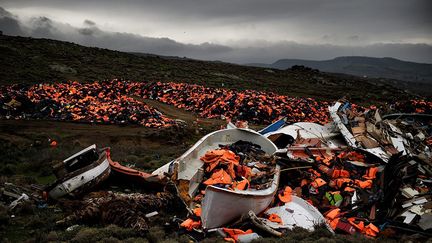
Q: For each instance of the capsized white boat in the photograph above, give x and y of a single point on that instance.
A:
(220, 205)
(307, 130)
(296, 213)
(287, 135)
(301, 140)
(80, 172)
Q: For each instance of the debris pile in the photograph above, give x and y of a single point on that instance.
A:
(114, 102)
(124, 210)
(15, 195)
(104, 102)
(345, 188)
(407, 198)
(362, 173)
(404, 134)
(378, 181)
(239, 166)
(249, 105)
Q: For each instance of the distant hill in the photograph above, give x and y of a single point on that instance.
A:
(31, 60)
(390, 68)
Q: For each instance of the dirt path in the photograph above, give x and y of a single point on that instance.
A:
(175, 113)
(171, 111)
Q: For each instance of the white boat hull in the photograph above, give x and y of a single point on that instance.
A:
(306, 130)
(189, 167)
(297, 213)
(83, 178)
(221, 206)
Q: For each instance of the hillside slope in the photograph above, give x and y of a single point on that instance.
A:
(30, 60)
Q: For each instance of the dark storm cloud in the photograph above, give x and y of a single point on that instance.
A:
(91, 35)
(244, 8)
(331, 29)
(382, 17)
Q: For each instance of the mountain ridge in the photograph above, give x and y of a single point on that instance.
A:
(385, 67)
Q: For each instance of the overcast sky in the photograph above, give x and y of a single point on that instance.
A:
(239, 31)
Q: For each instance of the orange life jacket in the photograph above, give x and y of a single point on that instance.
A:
(327, 160)
(244, 171)
(349, 189)
(318, 182)
(364, 184)
(333, 222)
(215, 157)
(358, 224)
(333, 217)
(275, 218)
(285, 195)
(315, 173)
(242, 185)
(190, 224)
(371, 173)
(197, 212)
(333, 213)
(234, 233)
(219, 177)
(371, 230)
(338, 183)
(340, 173)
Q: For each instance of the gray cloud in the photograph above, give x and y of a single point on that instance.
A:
(92, 35)
(43, 27)
(9, 23)
(276, 20)
(87, 31)
(89, 23)
(90, 28)
(236, 50)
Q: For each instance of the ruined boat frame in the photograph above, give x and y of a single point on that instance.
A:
(297, 213)
(84, 178)
(220, 205)
(349, 137)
